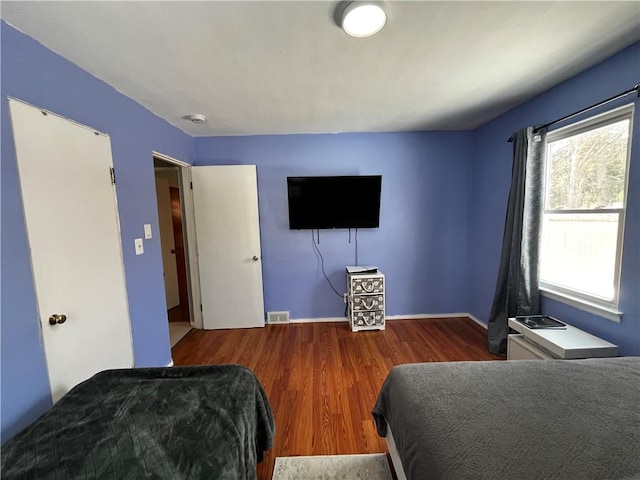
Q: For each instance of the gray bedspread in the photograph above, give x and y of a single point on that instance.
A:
(209, 422)
(552, 419)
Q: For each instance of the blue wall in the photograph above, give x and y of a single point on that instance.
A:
(442, 217)
(492, 175)
(421, 244)
(34, 74)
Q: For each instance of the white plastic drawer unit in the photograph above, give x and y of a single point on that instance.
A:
(367, 284)
(369, 302)
(518, 348)
(567, 343)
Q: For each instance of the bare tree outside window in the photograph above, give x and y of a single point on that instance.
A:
(588, 170)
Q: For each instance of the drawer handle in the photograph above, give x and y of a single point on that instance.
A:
(368, 307)
(367, 287)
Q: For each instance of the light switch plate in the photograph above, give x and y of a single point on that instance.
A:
(139, 246)
(147, 231)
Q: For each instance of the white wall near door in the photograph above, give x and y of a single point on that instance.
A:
(74, 238)
(167, 243)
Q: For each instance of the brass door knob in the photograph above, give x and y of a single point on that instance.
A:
(57, 318)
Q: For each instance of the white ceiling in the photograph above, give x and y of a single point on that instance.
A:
(266, 67)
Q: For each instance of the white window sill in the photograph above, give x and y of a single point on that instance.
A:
(605, 312)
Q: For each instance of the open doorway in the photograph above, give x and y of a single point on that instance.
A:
(222, 256)
(172, 239)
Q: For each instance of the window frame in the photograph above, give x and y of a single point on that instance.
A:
(600, 306)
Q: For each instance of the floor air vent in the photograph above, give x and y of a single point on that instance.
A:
(277, 317)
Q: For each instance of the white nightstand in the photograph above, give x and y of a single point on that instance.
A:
(569, 343)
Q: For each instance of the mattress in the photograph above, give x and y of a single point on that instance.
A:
(576, 419)
(176, 423)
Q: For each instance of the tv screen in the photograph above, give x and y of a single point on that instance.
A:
(334, 202)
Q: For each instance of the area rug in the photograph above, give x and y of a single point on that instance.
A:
(333, 467)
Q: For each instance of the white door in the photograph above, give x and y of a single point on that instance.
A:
(167, 243)
(228, 243)
(74, 237)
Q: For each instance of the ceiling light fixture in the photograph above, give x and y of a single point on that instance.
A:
(195, 118)
(363, 19)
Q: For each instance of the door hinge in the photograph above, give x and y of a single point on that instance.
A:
(113, 175)
(191, 185)
(200, 307)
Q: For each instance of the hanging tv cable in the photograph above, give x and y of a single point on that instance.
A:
(313, 240)
(356, 242)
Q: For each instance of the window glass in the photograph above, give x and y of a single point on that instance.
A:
(588, 170)
(583, 221)
(579, 252)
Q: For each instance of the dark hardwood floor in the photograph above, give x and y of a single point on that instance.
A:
(322, 380)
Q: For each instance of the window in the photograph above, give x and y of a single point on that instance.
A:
(584, 210)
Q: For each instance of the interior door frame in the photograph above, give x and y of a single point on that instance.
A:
(172, 296)
(189, 232)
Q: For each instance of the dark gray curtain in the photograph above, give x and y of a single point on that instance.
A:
(517, 284)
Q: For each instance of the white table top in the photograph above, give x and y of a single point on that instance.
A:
(569, 343)
(361, 269)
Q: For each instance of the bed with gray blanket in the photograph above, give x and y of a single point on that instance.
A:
(209, 422)
(552, 419)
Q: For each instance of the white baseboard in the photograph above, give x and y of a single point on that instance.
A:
(426, 315)
(318, 320)
(471, 317)
(393, 317)
(437, 315)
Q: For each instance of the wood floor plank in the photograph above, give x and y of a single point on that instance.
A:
(322, 380)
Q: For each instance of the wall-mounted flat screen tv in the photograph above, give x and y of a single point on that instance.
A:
(334, 202)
